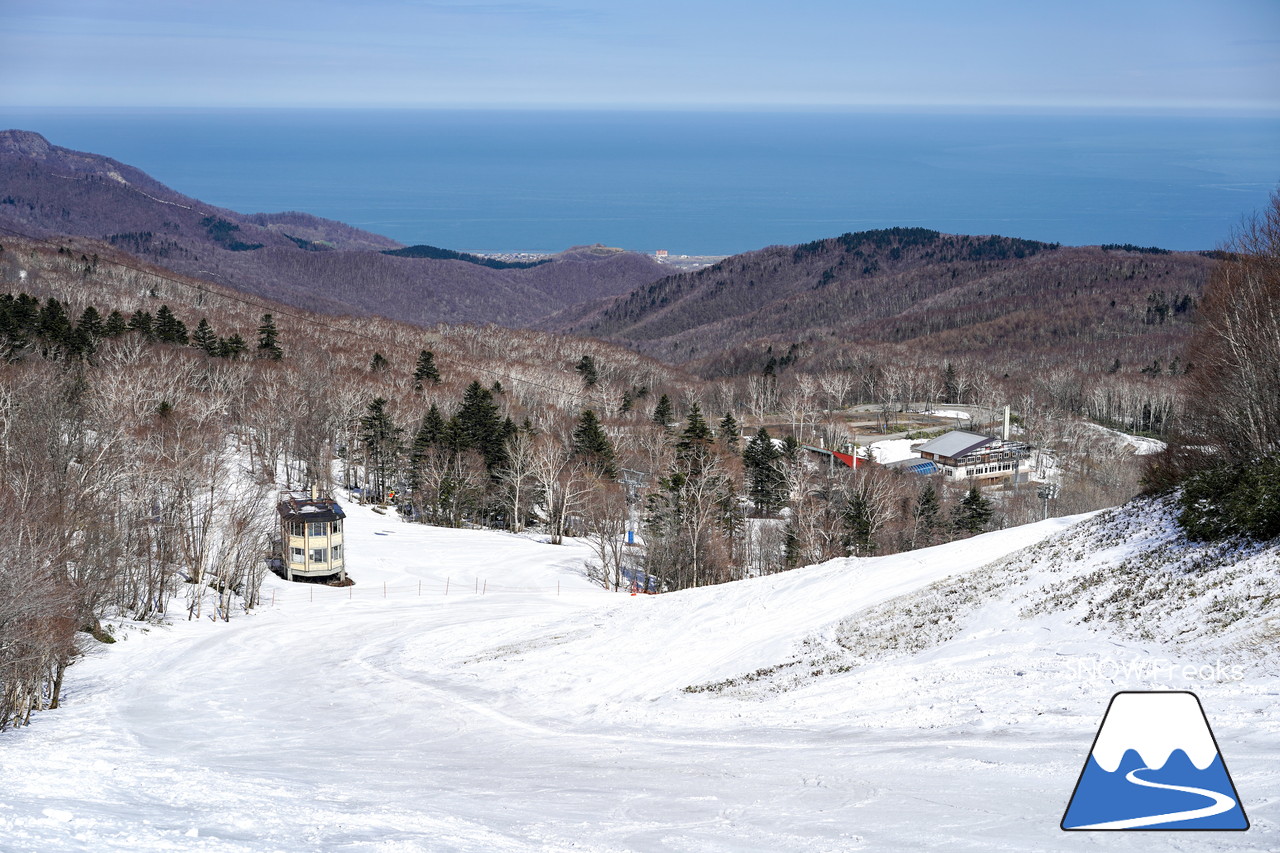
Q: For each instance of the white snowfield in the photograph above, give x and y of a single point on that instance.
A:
(925, 701)
(894, 449)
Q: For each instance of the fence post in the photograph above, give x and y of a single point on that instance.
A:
(486, 586)
(384, 589)
(446, 586)
(419, 589)
(557, 587)
(312, 592)
(349, 589)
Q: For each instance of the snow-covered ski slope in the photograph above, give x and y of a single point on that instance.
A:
(944, 699)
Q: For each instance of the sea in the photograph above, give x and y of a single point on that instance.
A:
(700, 182)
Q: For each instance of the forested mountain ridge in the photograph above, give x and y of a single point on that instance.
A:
(953, 295)
(296, 258)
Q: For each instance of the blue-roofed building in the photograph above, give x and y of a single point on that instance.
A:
(969, 456)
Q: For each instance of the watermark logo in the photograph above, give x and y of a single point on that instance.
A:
(1140, 671)
(1154, 764)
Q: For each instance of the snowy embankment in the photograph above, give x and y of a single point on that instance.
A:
(1141, 445)
(894, 449)
(474, 692)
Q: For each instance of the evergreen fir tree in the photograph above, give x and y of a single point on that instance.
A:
(168, 328)
(25, 312)
(430, 434)
(587, 367)
(730, 434)
(80, 344)
(163, 326)
(381, 439)
(55, 327)
(696, 440)
(268, 339)
(425, 369)
(232, 347)
(591, 443)
(482, 429)
(925, 515)
(115, 325)
(765, 480)
(378, 363)
(453, 437)
(627, 402)
(429, 437)
(91, 322)
(204, 338)
(950, 384)
(142, 323)
(973, 513)
(663, 415)
(14, 337)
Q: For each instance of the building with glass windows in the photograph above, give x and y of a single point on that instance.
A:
(976, 458)
(311, 536)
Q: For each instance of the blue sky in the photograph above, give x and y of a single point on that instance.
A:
(992, 54)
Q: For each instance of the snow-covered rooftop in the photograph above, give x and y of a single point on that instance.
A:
(300, 504)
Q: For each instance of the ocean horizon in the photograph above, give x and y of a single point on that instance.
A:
(699, 183)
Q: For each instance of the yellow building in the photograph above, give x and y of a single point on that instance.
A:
(311, 536)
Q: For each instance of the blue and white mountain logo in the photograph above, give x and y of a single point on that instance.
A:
(1154, 765)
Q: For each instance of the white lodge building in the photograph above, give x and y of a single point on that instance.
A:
(311, 536)
(961, 455)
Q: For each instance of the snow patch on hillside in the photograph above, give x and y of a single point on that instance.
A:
(1141, 444)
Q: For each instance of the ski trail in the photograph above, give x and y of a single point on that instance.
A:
(365, 659)
(1221, 803)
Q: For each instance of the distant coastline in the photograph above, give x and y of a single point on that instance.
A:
(508, 183)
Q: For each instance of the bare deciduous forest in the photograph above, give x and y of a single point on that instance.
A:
(1023, 304)
(147, 420)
